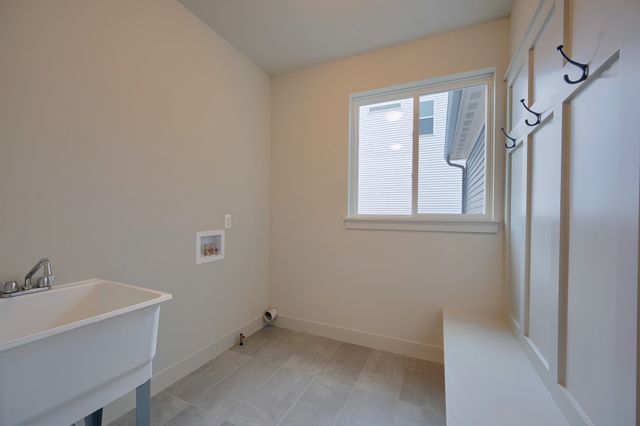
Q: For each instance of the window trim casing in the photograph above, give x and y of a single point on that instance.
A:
(484, 223)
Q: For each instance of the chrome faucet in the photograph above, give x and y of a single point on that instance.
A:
(11, 288)
(44, 281)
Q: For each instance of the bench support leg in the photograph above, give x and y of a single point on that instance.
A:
(143, 404)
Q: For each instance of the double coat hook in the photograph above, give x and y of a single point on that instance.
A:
(537, 114)
(513, 141)
(583, 67)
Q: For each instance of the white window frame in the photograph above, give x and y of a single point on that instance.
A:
(483, 223)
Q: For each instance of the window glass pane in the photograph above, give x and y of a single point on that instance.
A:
(385, 158)
(426, 126)
(451, 166)
(439, 184)
(426, 108)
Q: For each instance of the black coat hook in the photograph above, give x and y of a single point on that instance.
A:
(513, 144)
(537, 114)
(584, 67)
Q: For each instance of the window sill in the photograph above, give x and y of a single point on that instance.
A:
(475, 226)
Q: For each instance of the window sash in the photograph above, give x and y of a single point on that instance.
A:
(415, 90)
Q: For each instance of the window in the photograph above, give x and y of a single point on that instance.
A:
(419, 153)
(426, 117)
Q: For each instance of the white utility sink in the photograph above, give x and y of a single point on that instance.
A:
(69, 351)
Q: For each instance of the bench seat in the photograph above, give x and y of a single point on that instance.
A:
(489, 379)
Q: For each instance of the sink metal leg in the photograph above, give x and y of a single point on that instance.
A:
(143, 404)
(94, 419)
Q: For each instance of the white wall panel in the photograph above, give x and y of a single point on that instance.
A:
(581, 247)
(595, 27)
(519, 90)
(517, 220)
(546, 156)
(602, 258)
(545, 60)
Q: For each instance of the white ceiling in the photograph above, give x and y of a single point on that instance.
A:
(284, 35)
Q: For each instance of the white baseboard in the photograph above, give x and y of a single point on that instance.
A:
(372, 340)
(175, 372)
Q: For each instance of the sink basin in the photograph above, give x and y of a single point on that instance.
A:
(69, 351)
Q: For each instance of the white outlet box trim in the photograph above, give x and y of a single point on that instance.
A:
(204, 234)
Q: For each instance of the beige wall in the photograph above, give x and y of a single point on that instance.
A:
(125, 127)
(384, 282)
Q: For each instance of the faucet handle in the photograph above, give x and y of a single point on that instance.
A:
(45, 281)
(10, 287)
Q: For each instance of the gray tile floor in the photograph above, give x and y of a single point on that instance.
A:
(284, 377)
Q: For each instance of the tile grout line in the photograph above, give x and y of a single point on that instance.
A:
(175, 415)
(241, 402)
(404, 376)
(261, 384)
(312, 381)
(219, 381)
(364, 367)
(422, 407)
(178, 413)
(352, 389)
(280, 366)
(193, 404)
(314, 378)
(250, 357)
